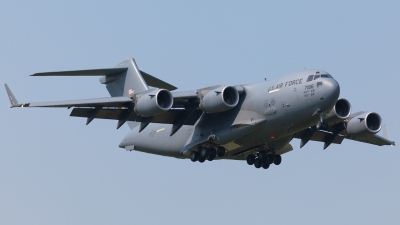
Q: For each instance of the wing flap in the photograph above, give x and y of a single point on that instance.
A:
(321, 136)
(168, 117)
(111, 114)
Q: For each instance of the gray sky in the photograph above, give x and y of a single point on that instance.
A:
(56, 170)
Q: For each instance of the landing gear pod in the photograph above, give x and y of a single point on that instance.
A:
(154, 103)
(220, 99)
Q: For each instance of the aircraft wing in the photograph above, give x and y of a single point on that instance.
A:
(183, 112)
(103, 102)
(336, 133)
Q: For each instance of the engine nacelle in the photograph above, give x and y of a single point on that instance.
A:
(340, 112)
(220, 99)
(154, 103)
(367, 123)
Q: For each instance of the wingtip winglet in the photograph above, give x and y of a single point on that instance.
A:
(13, 100)
(385, 132)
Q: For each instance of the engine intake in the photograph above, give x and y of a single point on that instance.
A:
(342, 108)
(365, 124)
(154, 103)
(220, 99)
(341, 111)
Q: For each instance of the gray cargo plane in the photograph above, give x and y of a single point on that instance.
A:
(252, 122)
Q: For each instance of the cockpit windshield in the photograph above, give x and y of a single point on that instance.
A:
(326, 75)
(314, 77)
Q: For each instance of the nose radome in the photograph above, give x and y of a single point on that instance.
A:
(332, 90)
(335, 88)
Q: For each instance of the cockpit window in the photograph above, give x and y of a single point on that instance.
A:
(310, 78)
(325, 76)
(316, 77)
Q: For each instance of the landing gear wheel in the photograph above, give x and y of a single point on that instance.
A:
(262, 156)
(278, 159)
(257, 163)
(250, 159)
(270, 158)
(204, 152)
(212, 154)
(265, 165)
(221, 151)
(194, 156)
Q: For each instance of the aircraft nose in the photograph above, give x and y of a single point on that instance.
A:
(335, 88)
(332, 90)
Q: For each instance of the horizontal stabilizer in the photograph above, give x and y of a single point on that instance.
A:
(150, 80)
(155, 82)
(95, 72)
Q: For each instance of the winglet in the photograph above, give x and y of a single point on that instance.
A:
(13, 100)
(385, 133)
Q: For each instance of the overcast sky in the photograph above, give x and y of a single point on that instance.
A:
(56, 170)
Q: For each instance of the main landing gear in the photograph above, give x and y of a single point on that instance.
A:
(262, 159)
(207, 153)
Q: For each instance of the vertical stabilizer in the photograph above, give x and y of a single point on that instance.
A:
(127, 82)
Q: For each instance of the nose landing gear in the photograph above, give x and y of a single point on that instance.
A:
(321, 125)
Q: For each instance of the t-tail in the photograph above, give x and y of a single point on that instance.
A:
(125, 79)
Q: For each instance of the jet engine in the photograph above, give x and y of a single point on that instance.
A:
(364, 124)
(220, 99)
(340, 111)
(154, 103)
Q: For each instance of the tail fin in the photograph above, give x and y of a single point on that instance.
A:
(127, 82)
(122, 80)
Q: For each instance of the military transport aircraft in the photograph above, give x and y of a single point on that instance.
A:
(252, 122)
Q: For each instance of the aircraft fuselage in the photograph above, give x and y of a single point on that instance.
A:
(285, 106)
